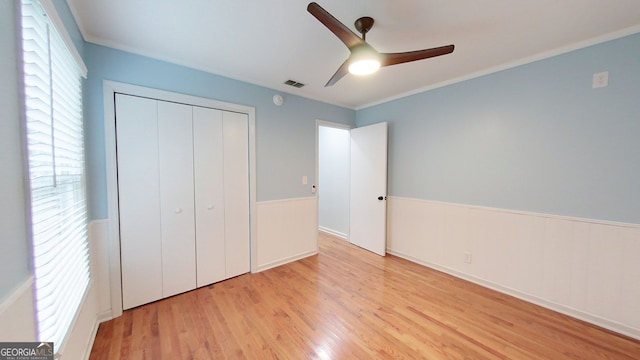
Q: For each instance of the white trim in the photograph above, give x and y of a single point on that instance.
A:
(333, 232)
(590, 318)
(287, 260)
(104, 316)
(83, 303)
(17, 293)
(286, 200)
(519, 212)
(78, 19)
(511, 64)
(64, 34)
(110, 88)
(333, 125)
(99, 319)
(92, 338)
(207, 69)
(530, 59)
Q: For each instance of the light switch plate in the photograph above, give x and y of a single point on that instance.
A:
(304, 180)
(600, 79)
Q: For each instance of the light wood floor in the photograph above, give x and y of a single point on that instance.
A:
(347, 303)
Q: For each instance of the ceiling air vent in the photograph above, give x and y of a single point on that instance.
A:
(294, 83)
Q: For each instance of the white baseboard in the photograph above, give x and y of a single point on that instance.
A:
(285, 261)
(92, 339)
(104, 316)
(333, 232)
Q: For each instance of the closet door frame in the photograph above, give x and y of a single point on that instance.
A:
(110, 88)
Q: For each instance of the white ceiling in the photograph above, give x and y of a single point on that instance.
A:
(268, 42)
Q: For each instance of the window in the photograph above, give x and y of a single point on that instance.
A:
(53, 107)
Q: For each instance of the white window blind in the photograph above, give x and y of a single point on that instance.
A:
(53, 104)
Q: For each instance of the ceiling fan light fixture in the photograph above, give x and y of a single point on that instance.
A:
(364, 67)
(364, 61)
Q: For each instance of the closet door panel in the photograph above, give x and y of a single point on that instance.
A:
(139, 200)
(209, 195)
(236, 193)
(175, 146)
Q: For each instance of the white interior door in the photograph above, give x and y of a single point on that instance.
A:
(368, 199)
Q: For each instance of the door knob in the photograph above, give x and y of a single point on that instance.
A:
(380, 198)
(178, 210)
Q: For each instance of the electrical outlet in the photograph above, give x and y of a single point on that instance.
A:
(467, 258)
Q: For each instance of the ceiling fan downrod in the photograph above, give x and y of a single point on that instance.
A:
(363, 25)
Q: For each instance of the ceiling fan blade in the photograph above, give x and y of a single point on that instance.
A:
(403, 57)
(343, 33)
(342, 71)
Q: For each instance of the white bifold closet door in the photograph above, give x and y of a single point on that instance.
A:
(139, 200)
(209, 187)
(183, 182)
(221, 157)
(236, 193)
(177, 217)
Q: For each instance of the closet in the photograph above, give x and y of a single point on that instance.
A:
(183, 193)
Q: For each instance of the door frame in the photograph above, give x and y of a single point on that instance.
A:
(334, 125)
(110, 88)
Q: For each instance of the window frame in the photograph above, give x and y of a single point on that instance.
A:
(73, 62)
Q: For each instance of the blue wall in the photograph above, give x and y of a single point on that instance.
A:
(285, 135)
(535, 138)
(15, 255)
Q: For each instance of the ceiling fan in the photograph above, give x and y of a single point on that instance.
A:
(364, 59)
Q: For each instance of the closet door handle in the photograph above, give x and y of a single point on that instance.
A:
(178, 210)
(210, 207)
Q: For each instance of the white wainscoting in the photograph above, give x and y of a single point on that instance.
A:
(588, 269)
(17, 316)
(17, 312)
(287, 230)
(96, 306)
(99, 240)
(84, 329)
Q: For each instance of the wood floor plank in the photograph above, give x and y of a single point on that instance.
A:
(348, 303)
